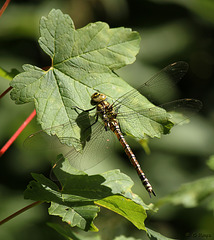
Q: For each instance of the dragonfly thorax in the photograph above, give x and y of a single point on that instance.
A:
(97, 98)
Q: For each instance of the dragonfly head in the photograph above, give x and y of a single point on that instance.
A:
(97, 98)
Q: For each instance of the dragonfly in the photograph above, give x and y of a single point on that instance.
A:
(111, 116)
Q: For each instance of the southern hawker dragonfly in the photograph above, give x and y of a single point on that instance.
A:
(109, 116)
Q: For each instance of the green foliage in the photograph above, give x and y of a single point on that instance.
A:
(75, 202)
(126, 208)
(83, 61)
(172, 37)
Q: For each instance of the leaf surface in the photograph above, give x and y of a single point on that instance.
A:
(82, 62)
(77, 199)
(126, 208)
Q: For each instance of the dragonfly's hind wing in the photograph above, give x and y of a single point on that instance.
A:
(157, 88)
(95, 150)
(134, 109)
(162, 86)
(63, 134)
(186, 107)
(152, 122)
(159, 119)
(182, 109)
(41, 140)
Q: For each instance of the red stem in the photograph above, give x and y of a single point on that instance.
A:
(19, 212)
(16, 134)
(4, 7)
(5, 92)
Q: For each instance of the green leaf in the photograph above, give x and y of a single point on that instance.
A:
(106, 184)
(126, 208)
(157, 235)
(81, 215)
(83, 61)
(8, 75)
(75, 201)
(43, 189)
(192, 194)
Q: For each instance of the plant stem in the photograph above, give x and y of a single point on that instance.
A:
(5, 92)
(16, 134)
(4, 7)
(20, 211)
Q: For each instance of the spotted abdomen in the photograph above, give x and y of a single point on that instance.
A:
(114, 126)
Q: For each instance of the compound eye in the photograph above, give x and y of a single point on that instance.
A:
(95, 98)
(95, 95)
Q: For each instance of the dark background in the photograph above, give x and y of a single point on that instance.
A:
(170, 31)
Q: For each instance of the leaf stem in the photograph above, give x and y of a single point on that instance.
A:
(4, 7)
(5, 92)
(16, 134)
(20, 211)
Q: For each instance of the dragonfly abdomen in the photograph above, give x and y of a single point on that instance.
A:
(108, 115)
(114, 126)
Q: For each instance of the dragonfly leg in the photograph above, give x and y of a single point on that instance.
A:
(95, 120)
(88, 110)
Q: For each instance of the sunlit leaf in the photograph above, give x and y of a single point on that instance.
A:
(126, 208)
(83, 61)
(77, 199)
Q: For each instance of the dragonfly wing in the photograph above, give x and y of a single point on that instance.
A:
(152, 122)
(95, 150)
(160, 118)
(182, 109)
(134, 109)
(186, 106)
(162, 85)
(157, 88)
(57, 136)
(41, 141)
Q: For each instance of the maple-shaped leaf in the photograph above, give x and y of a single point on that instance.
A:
(83, 61)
